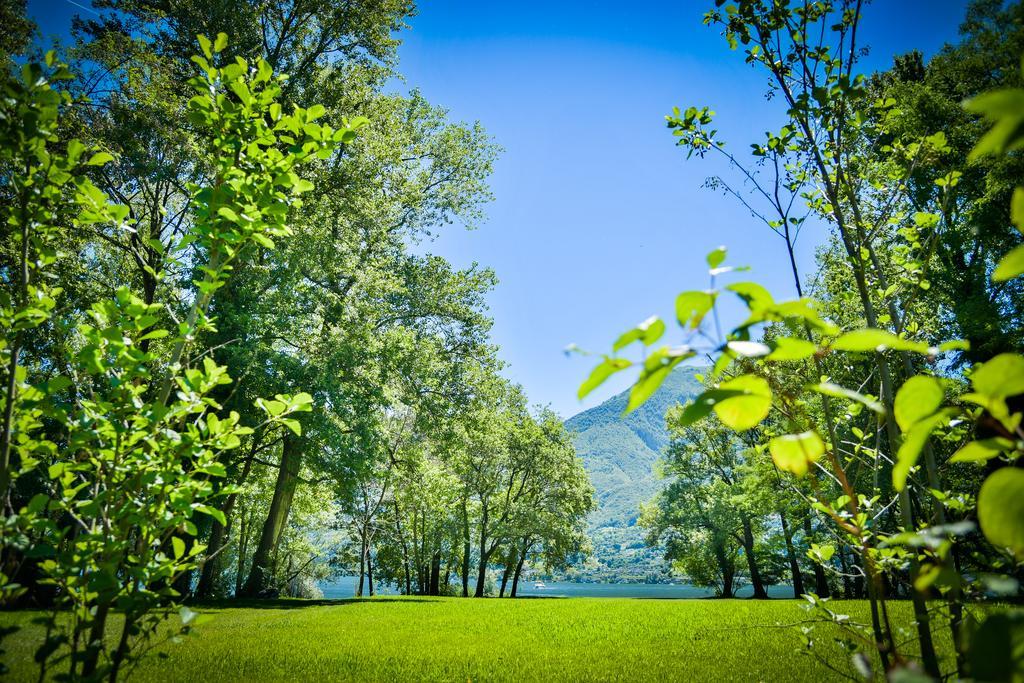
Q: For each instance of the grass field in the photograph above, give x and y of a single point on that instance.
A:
(439, 639)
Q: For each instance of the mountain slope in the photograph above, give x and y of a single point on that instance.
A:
(619, 453)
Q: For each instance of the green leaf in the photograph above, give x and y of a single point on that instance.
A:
(791, 348)
(981, 451)
(262, 240)
(747, 409)
(214, 469)
(229, 213)
(919, 397)
(37, 504)
(154, 334)
(1005, 108)
(716, 257)
(607, 368)
(821, 553)
(656, 368)
(701, 406)
(221, 42)
(913, 442)
(272, 408)
(795, 452)
(293, 425)
(955, 345)
(204, 44)
(691, 307)
(179, 547)
(755, 296)
(830, 389)
(100, 158)
(301, 402)
(649, 331)
(871, 339)
(1000, 377)
(212, 512)
(1010, 266)
(1001, 509)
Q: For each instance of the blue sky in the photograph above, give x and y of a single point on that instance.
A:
(599, 220)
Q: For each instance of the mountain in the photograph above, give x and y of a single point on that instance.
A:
(619, 453)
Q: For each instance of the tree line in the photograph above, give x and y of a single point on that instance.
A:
(862, 440)
(230, 366)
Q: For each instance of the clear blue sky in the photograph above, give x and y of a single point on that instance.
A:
(599, 220)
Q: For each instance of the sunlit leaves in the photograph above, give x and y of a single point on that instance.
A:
(796, 452)
(994, 382)
(914, 440)
(1001, 509)
(917, 412)
(691, 307)
(1005, 110)
(716, 257)
(981, 451)
(648, 332)
(755, 296)
(831, 389)
(822, 553)
(919, 397)
(1000, 377)
(791, 348)
(702, 405)
(871, 339)
(608, 367)
(1010, 266)
(656, 368)
(746, 409)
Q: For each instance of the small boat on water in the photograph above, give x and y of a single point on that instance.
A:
(539, 584)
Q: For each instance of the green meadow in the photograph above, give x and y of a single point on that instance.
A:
(448, 639)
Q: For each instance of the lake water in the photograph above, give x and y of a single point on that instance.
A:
(345, 587)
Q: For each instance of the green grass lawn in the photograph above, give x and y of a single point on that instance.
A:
(446, 639)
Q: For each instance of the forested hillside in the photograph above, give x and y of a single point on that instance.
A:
(619, 452)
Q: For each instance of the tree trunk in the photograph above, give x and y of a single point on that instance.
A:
(284, 490)
(435, 573)
(243, 549)
(728, 579)
(794, 564)
(362, 572)
(481, 574)
(748, 549)
(211, 565)
(405, 550)
(466, 550)
(509, 568)
(519, 568)
(369, 569)
(219, 534)
(725, 568)
(821, 588)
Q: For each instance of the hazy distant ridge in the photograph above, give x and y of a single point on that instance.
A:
(619, 453)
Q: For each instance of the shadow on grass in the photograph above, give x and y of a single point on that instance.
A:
(298, 603)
